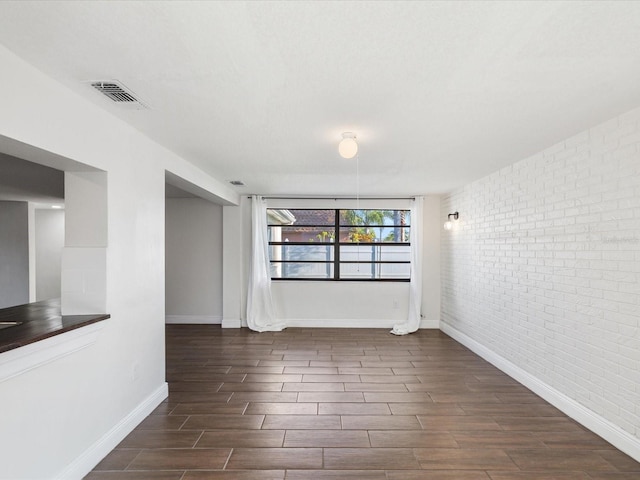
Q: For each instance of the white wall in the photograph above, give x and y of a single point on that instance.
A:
(337, 304)
(193, 261)
(49, 241)
(84, 257)
(70, 412)
(14, 253)
(541, 274)
(27, 181)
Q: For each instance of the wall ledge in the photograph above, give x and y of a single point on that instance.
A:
(20, 360)
(82, 465)
(613, 434)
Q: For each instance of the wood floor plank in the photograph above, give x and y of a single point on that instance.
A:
(266, 408)
(125, 475)
(241, 438)
(437, 475)
(420, 408)
(118, 459)
(210, 408)
(181, 459)
(336, 475)
(302, 422)
(464, 459)
(330, 397)
(160, 439)
(539, 476)
(353, 409)
(380, 422)
(313, 387)
(275, 458)
(369, 459)
(327, 438)
(216, 422)
(234, 475)
(550, 459)
(411, 439)
(163, 422)
(457, 423)
(376, 387)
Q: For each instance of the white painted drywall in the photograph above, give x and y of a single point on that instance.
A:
(543, 269)
(83, 281)
(338, 304)
(233, 265)
(86, 206)
(193, 261)
(431, 261)
(31, 219)
(49, 241)
(14, 253)
(68, 413)
(29, 182)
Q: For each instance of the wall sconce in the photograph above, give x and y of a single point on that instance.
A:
(348, 147)
(448, 225)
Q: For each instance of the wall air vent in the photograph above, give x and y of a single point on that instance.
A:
(118, 93)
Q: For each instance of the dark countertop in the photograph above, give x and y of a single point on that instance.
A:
(40, 320)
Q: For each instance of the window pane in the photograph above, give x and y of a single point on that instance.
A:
(302, 270)
(375, 217)
(300, 217)
(301, 234)
(302, 253)
(375, 271)
(375, 253)
(374, 234)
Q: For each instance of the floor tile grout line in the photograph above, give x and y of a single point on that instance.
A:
(133, 459)
(199, 438)
(185, 421)
(224, 467)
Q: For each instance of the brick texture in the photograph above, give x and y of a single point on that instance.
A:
(543, 267)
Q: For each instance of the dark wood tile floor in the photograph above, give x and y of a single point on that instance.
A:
(350, 404)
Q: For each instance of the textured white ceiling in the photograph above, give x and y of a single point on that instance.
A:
(438, 93)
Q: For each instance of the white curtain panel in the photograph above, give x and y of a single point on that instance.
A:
(415, 286)
(260, 310)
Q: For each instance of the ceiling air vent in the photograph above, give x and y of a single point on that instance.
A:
(237, 183)
(118, 93)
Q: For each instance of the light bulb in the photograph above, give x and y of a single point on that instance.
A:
(348, 147)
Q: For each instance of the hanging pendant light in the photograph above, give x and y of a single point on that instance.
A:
(348, 147)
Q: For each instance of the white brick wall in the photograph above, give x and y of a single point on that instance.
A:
(543, 267)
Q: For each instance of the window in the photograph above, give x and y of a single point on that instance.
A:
(339, 244)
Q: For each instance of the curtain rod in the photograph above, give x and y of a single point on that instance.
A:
(339, 198)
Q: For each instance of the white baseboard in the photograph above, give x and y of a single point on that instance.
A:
(352, 323)
(430, 324)
(613, 434)
(195, 319)
(231, 323)
(336, 323)
(82, 465)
